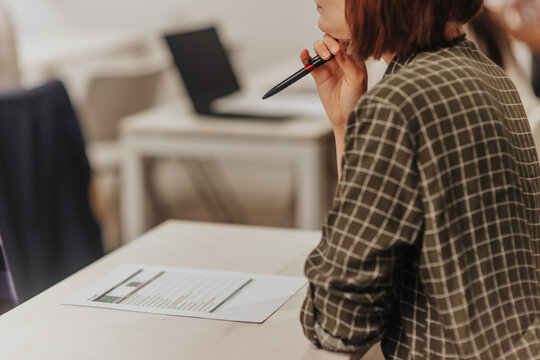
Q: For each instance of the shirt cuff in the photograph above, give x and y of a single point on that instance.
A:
(322, 338)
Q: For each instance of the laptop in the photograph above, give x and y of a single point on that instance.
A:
(211, 82)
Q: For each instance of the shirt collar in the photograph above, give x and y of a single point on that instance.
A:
(398, 62)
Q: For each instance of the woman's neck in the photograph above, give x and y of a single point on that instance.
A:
(453, 30)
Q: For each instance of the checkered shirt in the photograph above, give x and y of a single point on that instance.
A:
(432, 244)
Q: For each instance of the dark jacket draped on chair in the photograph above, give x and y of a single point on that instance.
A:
(46, 221)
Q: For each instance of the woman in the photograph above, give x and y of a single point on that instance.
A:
(433, 242)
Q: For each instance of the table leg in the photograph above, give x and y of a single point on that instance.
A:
(132, 192)
(310, 189)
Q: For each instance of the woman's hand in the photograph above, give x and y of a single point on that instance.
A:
(340, 82)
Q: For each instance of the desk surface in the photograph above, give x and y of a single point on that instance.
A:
(41, 328)
(174, 118)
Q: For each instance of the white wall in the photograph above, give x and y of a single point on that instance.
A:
(264, 29)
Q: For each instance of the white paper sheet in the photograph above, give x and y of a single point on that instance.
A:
(210, 294)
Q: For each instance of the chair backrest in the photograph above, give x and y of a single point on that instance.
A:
(46, 221)
(113, 95)
(9, 67)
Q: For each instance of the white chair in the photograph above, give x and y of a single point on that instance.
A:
(9, 67)
(115, 89)
(112, 96)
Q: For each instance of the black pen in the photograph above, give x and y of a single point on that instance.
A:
(313, 64)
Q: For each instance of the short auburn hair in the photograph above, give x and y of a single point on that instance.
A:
(403, 26)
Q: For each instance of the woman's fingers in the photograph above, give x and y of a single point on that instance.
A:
(331, 43)
(322, 50)
(305, 57)
(325, 48)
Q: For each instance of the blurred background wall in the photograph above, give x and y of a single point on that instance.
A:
(261, 29)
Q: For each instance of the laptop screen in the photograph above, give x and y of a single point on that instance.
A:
(204, 66)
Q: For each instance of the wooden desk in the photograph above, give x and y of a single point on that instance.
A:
(169, 131)
(41, 328)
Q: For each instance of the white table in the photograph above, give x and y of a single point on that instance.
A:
(170, 131)
(41, 328)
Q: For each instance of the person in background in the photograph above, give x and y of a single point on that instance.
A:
(432, 245)
(521, 18)
(9, 68)
(492, 37)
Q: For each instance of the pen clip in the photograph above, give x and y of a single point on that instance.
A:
(315, 58)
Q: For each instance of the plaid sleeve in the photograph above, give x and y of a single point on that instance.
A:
(377, 210)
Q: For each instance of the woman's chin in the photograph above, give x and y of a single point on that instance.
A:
(338, 34)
